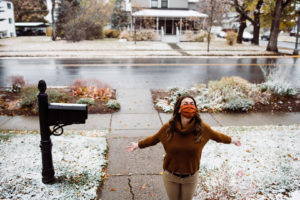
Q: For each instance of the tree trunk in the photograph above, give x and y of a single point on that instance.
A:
(256, 24)
(275, 27)
(242, 27)
(255, 39)
(212, 3)
(53, 21)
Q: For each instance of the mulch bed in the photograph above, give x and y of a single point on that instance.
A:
(5, 97)
(277, 104)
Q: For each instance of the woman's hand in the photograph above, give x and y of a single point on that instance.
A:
(236, 142)
(133, 146)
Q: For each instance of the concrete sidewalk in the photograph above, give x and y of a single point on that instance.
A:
(137, 175)
(42, 46)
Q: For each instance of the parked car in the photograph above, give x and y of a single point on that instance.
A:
(265, 36)
(221, 34)
(247, 36)
(294, 33)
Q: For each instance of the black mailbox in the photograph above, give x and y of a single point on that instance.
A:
(67, 113)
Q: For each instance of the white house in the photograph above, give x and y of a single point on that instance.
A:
(7, 20)
(172, 16)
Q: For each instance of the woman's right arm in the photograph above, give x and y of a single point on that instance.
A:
(149, 141)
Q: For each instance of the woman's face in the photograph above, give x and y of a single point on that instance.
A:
(186, 101)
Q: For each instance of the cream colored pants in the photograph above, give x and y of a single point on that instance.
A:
(180, 188)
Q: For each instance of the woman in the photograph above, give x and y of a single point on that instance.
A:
(183, 139)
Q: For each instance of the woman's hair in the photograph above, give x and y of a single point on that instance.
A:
(177, 118)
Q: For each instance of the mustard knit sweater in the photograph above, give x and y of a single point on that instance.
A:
(182, 153)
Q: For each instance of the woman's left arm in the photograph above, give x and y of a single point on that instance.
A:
(220, 137)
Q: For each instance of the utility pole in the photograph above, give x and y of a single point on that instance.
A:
(296, 50)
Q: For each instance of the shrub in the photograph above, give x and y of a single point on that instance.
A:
(189, 35)
(113, 104)
(55, 96)
(17, 82)
(111, 33)
(125, 35)
(234, 92)
(141, 35)
(199, 37)
(238, 103)
(278, 80)
(88, 101)
(231, 38)
(29, 97)
(49, 31)
(94, 32)
(91, 88)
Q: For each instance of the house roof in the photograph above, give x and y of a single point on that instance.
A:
(30, 24)
(168, 13)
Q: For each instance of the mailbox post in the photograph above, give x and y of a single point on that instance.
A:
(46, 144)
(57, 115)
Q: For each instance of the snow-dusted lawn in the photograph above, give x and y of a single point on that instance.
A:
(78, 159)
(266, 166)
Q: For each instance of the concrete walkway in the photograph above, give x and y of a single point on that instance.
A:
(137, 175)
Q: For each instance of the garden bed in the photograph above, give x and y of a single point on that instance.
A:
(276, 104)
(10, 102)
(233, 94)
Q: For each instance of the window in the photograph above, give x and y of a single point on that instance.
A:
(10, 20)
(154, 3)
(8, 5)
(11, 35)
(164, 3)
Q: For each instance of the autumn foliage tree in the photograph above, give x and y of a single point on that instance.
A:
(30, 10)
(288, 17)
(280, 5)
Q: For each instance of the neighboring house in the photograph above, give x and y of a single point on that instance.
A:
(7, 20)
(169, 17)
(31, 28)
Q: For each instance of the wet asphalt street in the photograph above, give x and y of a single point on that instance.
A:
(141, 73)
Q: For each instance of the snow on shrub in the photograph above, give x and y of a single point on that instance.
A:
(278, 80)
(88, 101)
(230, 93)
(114, 104)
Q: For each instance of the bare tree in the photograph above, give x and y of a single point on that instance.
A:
(84, 21)
(215, 10)
(275, 27)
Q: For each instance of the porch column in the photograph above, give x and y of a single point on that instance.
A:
(180, 26)
(157, 25)
(173, 25)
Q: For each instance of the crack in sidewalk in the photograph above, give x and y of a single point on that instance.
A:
(130, 187)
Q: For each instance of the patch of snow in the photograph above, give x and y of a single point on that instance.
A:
(78, 160)
(295, 195)
(266, 166)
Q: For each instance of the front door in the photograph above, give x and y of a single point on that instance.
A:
(169, 27)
